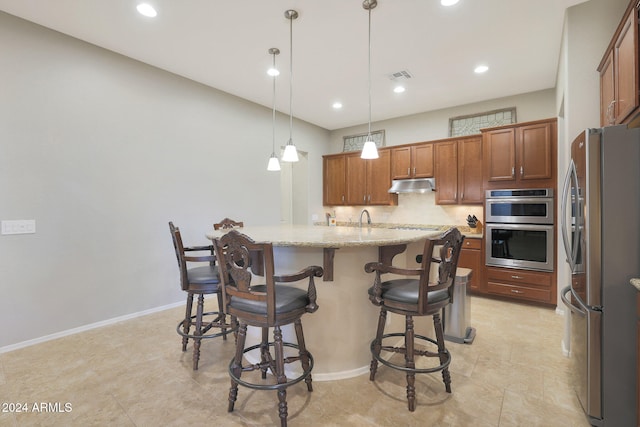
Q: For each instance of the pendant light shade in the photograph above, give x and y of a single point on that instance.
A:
(274, 164)
(369, 150)
(290, 151)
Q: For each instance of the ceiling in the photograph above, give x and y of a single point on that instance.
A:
(225, 43)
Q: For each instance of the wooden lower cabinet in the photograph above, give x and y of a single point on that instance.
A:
(527, 285)
(471, 257)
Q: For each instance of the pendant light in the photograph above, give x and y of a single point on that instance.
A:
(274, 164)
(290, 151)
(369, 150)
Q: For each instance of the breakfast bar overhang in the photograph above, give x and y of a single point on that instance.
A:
(339, 333)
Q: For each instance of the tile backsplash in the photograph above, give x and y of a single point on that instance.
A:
(411, 209)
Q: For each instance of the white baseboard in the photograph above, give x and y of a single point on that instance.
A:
(88, 327)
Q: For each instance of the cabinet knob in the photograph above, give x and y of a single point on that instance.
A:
(516, 277)
(521, 171)
(513, 172)
(409, 171)
(515, 291)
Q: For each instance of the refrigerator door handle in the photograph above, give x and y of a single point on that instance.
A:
(565, 300)
(571, 252)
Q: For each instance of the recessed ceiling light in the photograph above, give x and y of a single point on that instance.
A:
(337, 105)
(399, 89)
(448, 2)
(481, 69)
(273, 72)
(147, 10)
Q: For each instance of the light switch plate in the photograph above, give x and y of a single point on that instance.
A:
(19, 226)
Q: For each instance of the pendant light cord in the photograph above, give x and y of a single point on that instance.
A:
(369, 65)
(273, 127)
(291, 80)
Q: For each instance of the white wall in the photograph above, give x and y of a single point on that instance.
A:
(102, 151)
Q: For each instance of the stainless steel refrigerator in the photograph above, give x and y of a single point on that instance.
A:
(601, 234)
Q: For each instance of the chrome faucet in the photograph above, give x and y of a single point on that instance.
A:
(364, 211)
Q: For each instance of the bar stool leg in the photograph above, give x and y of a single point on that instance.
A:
(236, 365)
(280, 376)
(186, 323)
(304, 355)
(377, 344)
(264, 352)
(446, 377)
(410, 362)
(197, 341)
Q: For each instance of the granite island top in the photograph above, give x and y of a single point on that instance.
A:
(636, 282)
(342, 235)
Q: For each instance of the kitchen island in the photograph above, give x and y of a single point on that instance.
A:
(340, 332)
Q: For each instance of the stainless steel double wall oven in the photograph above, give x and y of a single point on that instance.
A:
(519, 228)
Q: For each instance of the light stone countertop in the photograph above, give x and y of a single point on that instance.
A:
(636, 282)
(316, 236)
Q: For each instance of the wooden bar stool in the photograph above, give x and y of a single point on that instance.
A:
(269, 304)
(417, 296)
(200, 281)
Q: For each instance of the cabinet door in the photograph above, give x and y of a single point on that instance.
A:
(334, 169)
(470, 171)
(534, 151)
(422, 163)
(356, 181)
(471, 257)
(626, 66)
(499, 155)
(607, 93)
(379, 179)
(401, 163)
(446, 171)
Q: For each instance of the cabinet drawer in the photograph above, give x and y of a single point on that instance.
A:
(471, 243)
(519, 276)
(523, 292)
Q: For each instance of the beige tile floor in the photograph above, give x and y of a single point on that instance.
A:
(134, 374)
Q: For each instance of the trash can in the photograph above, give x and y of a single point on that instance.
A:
(457, 316)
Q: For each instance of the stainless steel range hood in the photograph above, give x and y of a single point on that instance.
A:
(421, 185)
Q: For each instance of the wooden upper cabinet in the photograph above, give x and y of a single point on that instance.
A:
(500, 154)
(412, 161)
(458, 171)
(446, 161)
(607, 92)
(422, 156)
(334, 180)
(534, 150)
(520, 155)
(619, 97)
(470, 171)
(379, 180)
(368, 181)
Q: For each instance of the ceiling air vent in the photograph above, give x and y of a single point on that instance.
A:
(400, 75)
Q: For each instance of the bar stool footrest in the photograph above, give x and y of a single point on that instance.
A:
(207, 326)
(290, 381)
(403, 350)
